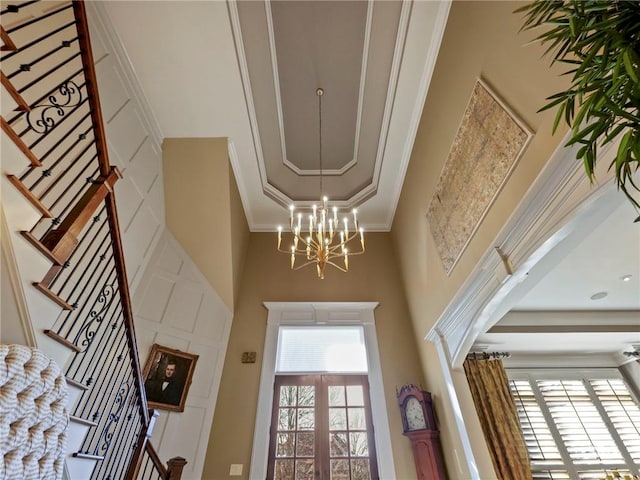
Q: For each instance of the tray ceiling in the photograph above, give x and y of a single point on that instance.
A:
(248, 70)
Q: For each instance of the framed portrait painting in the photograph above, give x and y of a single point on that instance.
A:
(167, 377)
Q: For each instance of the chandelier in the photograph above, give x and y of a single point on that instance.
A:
(318, 236)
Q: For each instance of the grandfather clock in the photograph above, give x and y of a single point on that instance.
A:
(419, 425)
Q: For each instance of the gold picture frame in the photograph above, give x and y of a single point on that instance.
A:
(167, 377)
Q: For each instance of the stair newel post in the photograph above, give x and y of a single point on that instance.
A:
(62, 241)
(174, 468)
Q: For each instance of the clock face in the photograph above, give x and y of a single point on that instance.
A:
(415, 415)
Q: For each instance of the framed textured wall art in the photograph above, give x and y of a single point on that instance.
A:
(486, 147)
(167, 377)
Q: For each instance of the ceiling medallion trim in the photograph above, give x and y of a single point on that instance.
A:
(276, 83)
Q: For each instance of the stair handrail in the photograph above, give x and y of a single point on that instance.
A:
(84, 39)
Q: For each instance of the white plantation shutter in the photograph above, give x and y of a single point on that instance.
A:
(537, 436)
(622, 411)
(582, 429)
(577, 427)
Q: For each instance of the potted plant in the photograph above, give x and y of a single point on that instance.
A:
(600, 42)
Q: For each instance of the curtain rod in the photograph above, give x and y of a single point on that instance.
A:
(487, 355)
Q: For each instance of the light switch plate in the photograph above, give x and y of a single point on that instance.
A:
(235, 470)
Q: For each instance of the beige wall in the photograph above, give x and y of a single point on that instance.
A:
(239, 234)
(481, 40)
(372, 277)
(203, 209)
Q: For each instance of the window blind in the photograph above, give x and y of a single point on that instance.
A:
(321, 349)
(577, 427)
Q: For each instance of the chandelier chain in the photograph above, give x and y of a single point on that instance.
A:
(320, 93)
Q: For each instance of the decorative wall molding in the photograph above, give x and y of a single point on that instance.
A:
(97, 12)
(418, 12)
(176, 306)
(444, 357)
(552, 362)
(320, 313)
(560, 198)
(9, 263)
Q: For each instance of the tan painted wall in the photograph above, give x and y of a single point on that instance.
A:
(239, 234)
(481, 39)
(203, 209)
(372, 277)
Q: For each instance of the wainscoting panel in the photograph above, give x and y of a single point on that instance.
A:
(175, 306)
(134, 146)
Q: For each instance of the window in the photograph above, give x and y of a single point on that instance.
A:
(321, 349)
(321, 429)
(578, 426)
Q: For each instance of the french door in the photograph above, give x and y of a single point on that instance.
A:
(321, 429)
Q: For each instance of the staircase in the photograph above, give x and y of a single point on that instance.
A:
(60, 213)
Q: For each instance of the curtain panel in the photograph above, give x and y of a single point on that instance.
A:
(496, 409)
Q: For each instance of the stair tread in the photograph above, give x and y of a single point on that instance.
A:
(76, 383)
(19, 143)
(83, 421)
(41, 248)
(28, 194)
(88, 456)
(49, 294)
(8, 46)
(60, 339)
(23, 106)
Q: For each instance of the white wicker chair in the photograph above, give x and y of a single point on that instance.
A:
(33, 415)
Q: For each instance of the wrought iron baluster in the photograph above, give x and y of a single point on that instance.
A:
(80, 178)
(70, 92)
(116, 372)
(6, 57)
(47, 123)
(14, 8)
(123, 441)
(81, 301)
(73, 75)
(62, 156)
(102, 377)
(85, 335)
(26, 67)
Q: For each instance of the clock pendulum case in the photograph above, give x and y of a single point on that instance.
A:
(418, 424)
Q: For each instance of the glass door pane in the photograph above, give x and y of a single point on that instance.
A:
(351, 452)
(322, 429)
(293, 441)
